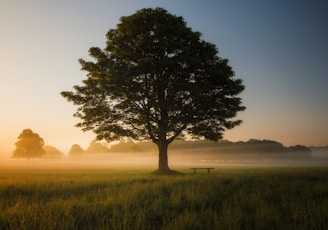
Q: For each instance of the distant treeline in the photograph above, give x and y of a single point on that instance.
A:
(30, 145)
(252, 147)
(197, 149)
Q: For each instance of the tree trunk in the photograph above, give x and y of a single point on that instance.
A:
(163, 165)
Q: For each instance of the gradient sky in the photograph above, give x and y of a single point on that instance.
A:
(279, 48)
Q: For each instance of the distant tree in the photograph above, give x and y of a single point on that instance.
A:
(122, 147)
(97, 147)
(130, 146)
(156, 80)
(300, 151)
(76, 150)
(260, 146)
(52, 152)
(29, 145)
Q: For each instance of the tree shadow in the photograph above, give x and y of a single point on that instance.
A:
(166, 172)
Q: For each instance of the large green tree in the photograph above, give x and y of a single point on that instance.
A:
(156, 79)
(29, 145)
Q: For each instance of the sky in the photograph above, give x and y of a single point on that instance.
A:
(278, 48)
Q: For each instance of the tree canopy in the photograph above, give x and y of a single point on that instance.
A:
(97, 147)
(156, 79)
(52, 152)
(76, 150)
(29, 145)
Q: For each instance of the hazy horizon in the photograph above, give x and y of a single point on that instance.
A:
(65, 151)
(149, 161)
(181, 155)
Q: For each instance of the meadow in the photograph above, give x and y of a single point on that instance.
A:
(227, 198)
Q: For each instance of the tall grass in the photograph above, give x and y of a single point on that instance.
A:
(226, 199)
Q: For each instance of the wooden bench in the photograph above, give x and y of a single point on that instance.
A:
(208, 169)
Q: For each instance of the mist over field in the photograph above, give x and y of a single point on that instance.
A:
(182, 155)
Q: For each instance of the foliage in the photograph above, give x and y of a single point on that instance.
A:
(261, 146)
(97, 147)
(130, 146)
(156, 79)
(244, 198)
(76, 150)
(253, 146)
(52, 152)
(300, 150)
(29, 145)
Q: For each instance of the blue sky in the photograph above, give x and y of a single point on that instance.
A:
(279, 49)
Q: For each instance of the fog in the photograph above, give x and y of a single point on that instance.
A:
(181, 154)
(178, 160)
(87, 161)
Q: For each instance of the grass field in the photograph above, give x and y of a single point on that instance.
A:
(228, 198)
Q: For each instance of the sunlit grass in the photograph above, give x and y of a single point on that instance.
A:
(228, 198)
